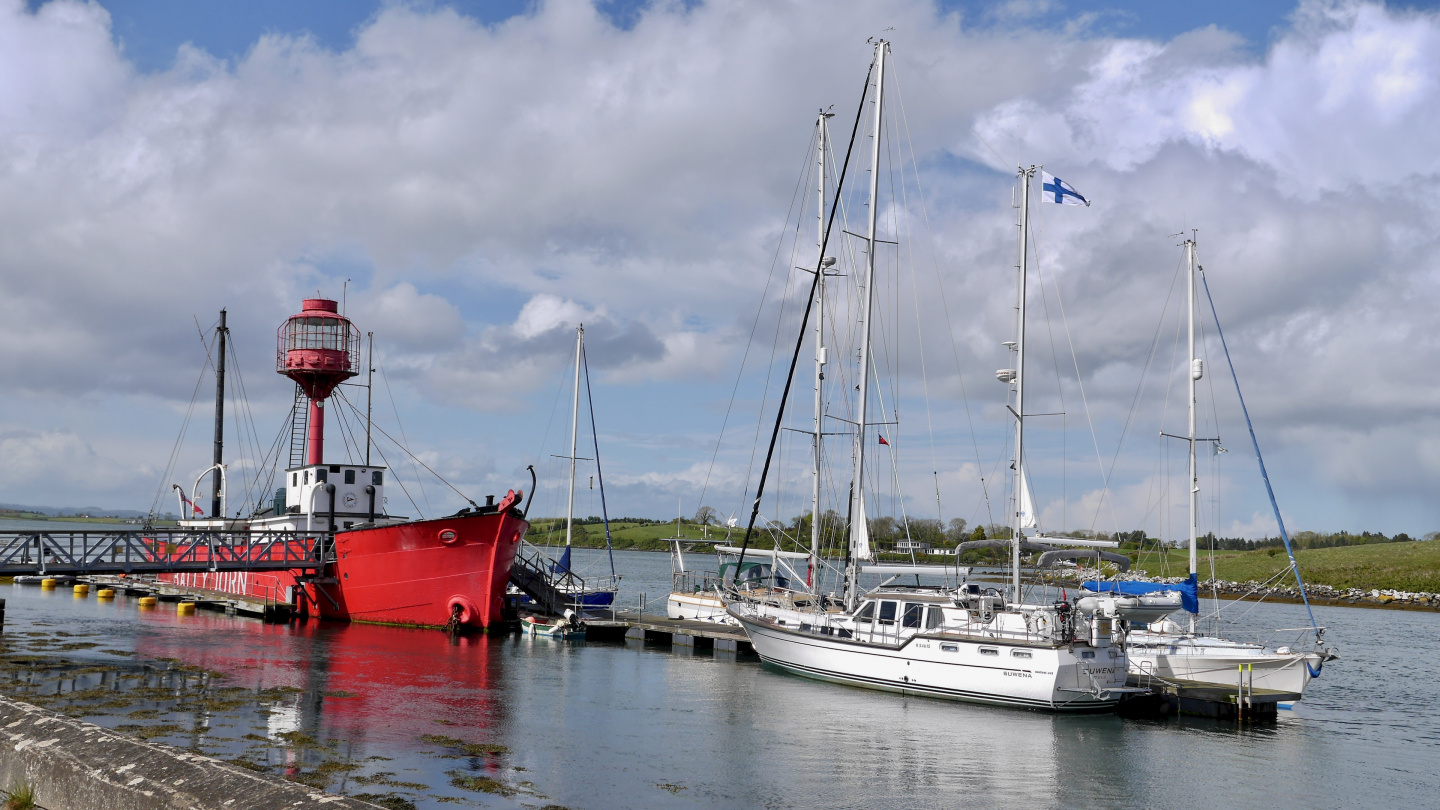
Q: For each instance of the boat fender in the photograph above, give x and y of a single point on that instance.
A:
(448, 536)
(467, 610)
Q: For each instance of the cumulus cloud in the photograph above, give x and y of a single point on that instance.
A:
(487, 187)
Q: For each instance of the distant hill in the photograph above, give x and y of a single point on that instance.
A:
(70, 511)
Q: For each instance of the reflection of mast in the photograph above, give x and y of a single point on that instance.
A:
(820, 358)
(859, 529)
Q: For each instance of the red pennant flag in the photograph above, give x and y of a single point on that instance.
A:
(882, 441)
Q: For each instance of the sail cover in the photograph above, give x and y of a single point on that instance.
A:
(1189, 590)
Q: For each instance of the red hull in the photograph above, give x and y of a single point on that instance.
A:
(413, 573)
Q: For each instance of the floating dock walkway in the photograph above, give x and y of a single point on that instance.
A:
(1197, 699)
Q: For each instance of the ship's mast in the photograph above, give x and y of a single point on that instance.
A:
(1194, 373)
(221, 332)
(857, 489)
(369, 387)
(1016, 536)
(820, 358)
(574, 434)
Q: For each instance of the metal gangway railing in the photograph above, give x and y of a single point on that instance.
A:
(162, 551)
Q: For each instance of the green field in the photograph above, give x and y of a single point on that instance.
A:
(635, 536)
(1411, 566)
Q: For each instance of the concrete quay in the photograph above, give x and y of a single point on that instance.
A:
(74, 765)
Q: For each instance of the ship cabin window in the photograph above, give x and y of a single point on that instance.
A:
(349, 476)
(989, 651)
(1020, 654)
(935, 618)
(334, 468)
(887, 612)
(867, 613)
(912, 614)
(294, 479)
(307, 477)
(320, 475)
(1087, 654)
(949, 648)
(377, 478)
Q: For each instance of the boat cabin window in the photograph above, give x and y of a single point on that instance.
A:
(935, 618)
(349, 476)
(307, 476)
(320, 475)
(949, 648)
(377, 478)
(912, 615)
(294, 479)
(1087, 654)
(989, 651)
(334, 468)
(887, 612)
(867, 613)
(1020, 654)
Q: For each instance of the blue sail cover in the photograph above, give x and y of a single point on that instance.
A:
(564, 565)
(1189, 591)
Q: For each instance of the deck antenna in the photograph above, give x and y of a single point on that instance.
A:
(215, 477)
(369, 386)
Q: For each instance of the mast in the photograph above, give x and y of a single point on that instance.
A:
(857, 492)
(1194, 375)
(574, 433)
(221, 331)
(369, 386)
(1016, 535)
(820, 359)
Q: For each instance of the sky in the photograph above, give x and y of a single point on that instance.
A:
(474, 178)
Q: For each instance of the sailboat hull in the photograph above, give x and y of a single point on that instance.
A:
(1049, 678)
(1217, 664)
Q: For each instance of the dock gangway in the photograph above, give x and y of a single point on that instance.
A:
(537, 576)
(162, 551)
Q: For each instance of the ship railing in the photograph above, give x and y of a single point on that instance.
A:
(695, 582)
(161, 551)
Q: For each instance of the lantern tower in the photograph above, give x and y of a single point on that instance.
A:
(319, 349)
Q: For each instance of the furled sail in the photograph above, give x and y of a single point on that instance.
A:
(860, 536)
(1027, 505)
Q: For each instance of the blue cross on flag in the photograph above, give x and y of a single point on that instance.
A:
(1058, 191)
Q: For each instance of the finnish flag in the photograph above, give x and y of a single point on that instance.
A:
(1058, 191)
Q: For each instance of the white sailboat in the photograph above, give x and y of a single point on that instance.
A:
(969, 643)
(1169, 650)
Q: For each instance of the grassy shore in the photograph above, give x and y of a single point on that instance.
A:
(1398, 566)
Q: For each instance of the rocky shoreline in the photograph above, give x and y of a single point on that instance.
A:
(1317, 594)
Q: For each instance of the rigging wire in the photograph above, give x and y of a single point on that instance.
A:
(425, 496)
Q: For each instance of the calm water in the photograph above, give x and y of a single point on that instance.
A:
(611, 725)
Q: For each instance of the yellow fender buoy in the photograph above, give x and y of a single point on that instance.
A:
(185, 608)
(148, 601)
(81, 589)
(105, 593)
(48, 584)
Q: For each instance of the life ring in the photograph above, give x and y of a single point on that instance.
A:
(448, 536)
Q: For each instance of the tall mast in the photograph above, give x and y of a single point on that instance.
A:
(215, 478)
(574, 433)
(369, 387)
(820, 358)
(857, 490)
(1017, 534)
(1194, 375)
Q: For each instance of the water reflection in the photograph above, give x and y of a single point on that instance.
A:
(639, 726)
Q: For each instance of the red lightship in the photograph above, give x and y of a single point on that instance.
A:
(387, 569)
